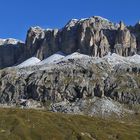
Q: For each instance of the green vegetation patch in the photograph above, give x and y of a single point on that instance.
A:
(18, 124)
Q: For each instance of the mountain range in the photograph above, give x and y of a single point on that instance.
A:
(94, 36)
(91, 66)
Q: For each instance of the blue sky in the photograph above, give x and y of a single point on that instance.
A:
(16, 16)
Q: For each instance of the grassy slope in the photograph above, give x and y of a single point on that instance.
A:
(18, 124)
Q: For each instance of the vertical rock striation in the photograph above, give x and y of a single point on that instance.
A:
(125, 43)
(94, 36)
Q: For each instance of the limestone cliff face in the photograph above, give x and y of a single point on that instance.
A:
(89, 37)
(136, 31)
(34, 39)
(41, 43)
(125, 44)
(94, 36)
(75, 83)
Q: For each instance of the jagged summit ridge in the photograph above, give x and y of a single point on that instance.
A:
(93, 36)
(90, 66)
(11, 41)
(94, 17)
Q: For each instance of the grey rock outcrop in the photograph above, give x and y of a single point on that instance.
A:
(136, 31)
(41, 43)
(76, 84)
(125, 44)
(94, 36)
(10, 51)
(70, 81)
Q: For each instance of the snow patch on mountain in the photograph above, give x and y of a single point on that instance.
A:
(29, 62)
(134, 59)
(76, 55)
(49, 29)
(59, 56)
(83, 19)
(71, 23)
(53, 58)
(11, 41)
(101, 18)
(114, 59)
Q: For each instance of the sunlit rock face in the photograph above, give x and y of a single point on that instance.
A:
(94, 36)
(89, 65)
(136, 31)
(125, 44)
(89, 37)
(41, 43)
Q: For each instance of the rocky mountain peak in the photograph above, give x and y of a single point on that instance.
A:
(122, 25)
(36, 28)
(35, 31)
(51, 70)
(95, 36)
(10, 41)
(91, 21)
(10, 51)
(101, 18)
(71, 23)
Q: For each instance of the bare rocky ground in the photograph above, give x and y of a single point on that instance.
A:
(75, 85)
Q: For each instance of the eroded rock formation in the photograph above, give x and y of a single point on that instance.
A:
(76, 83)
(70, 81)
(125, 44)
(10, 51)
(94, 36)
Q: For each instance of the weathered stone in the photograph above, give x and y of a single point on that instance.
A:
(125, 44)
(136, 31)
(94, 36)
(10, 51)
